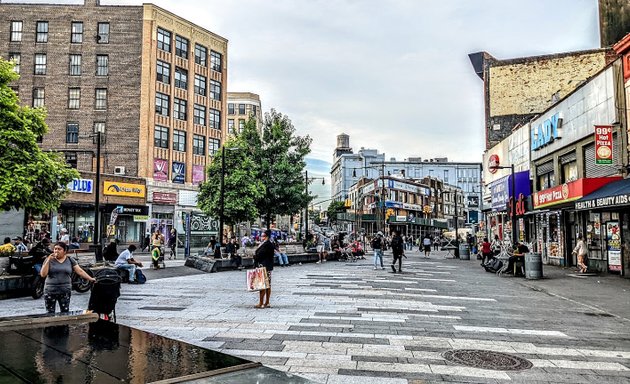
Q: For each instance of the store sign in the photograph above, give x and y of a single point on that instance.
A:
(81, 185)
(127, 209)
(165, 198)
(472, 201)
(160, 170)
(493, 162)
(603, 202)
(603, 144)
(546, 133)
(198, 174)
(113, 188)
(178, 172)
(414, 207)
(570, 191)
(140, 218)
(499, 194)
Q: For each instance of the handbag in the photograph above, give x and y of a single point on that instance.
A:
(257, 279)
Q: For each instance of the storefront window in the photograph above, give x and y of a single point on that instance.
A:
(569, 172)
(594, 235)
(554, 235)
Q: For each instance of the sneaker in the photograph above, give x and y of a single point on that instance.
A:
(383, 268)
(133, 282)
(393, 269)
(319, 262)
(375, 268)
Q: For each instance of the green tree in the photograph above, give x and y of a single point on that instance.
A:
(30, 178)
(334, 208)
(242, 188)
(279, 155)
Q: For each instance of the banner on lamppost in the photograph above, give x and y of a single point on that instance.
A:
(603, 144)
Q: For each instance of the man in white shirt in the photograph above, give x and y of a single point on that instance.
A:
(65, 238)
(125, 261)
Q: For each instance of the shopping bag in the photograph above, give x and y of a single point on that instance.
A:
(257, 279)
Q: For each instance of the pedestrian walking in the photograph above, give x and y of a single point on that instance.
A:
(486, 251)
(57, 270)
(264, 257)
(426, 243)
(580, 252)
(398, 251)
(321, 248)
(377, 247)
(436, 243)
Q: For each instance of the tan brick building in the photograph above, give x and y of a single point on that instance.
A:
(151, 81)
(241, 106)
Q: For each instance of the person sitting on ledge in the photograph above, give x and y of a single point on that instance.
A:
(518, 255)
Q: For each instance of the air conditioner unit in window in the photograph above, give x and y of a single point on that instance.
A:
(119, 170)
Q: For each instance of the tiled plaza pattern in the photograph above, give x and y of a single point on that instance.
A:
(346, 323)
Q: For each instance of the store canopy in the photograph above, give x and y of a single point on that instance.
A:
(615, 194)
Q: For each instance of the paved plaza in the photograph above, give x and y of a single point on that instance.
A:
(343, 322)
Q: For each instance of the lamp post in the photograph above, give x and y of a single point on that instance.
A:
(513, 198)
(308, 180)
(222, 193)
(98, 250)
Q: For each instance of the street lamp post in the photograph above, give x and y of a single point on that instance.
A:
(513, 198)
(97, 191)
(222, 192)
(308, 180)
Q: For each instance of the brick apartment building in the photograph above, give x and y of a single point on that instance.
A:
(241, 106)
(153, 83)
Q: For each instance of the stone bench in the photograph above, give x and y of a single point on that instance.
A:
(209, 264)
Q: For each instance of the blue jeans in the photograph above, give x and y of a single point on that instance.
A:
(283, 259)
(378, 255)
(131, 268)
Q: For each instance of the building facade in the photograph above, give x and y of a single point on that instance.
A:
(152, 83)
(240, 107)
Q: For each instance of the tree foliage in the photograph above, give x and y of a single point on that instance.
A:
(242, 188)
(280, 158)
(334, 208)
(30, 178)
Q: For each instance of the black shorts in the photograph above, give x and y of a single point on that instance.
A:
(427, 248)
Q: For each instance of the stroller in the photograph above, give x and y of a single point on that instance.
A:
(105, 293)
(347, 254)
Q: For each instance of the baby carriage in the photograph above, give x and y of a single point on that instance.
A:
(105, 293)
(347, 254)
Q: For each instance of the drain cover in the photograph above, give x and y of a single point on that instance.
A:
(479, 358)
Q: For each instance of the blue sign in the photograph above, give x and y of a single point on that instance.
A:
(179, 173)
(81, 185)
(546, 132)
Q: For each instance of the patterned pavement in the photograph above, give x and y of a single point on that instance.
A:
(341, 322)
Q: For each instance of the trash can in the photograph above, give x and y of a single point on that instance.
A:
(533, 266)
(464, 252)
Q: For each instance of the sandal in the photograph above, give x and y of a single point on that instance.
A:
(266, 306)
(259, 306)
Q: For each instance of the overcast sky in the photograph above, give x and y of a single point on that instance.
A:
(394, 75)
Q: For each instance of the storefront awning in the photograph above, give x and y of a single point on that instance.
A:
(615, 194)
(570, 192)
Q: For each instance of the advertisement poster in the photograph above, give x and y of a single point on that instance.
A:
(613, 245)
(160, 170)
(603, 144)
(198, 175)
(178, 173)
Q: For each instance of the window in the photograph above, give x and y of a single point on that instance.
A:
(76, 32)
(241, 109)
(75, 65)
(72, 133)
(71, 159)
(179, 109)
(101, 98)
(215, 119)
(163, 72)
(215, 60)
(254, 110)
(213, 146)
(102, 65)
(38, 97)
(74, 98)
(231, 126)
(181, 78)
(200, 85)
(160, 137)
(199, 114)
(103, 33)
(179, 140)
(40, 64)
(446, 175)
(16, 58)
(230, 108)
(163, 39)
(241, 125)
(181, 46)
(201, 55)
(162, 103)
(16, 31)
(199, 145)
(569, 172)
(215, 90)
(42, 32)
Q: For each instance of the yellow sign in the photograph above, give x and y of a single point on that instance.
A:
(140, 218)
(124, 189)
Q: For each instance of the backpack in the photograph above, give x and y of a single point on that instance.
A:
(140, 277)
(376, 243)
(493, 265)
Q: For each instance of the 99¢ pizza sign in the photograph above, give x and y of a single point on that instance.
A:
(603, 144)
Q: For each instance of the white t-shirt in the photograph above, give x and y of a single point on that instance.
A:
(65, 238)
(123, 257)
